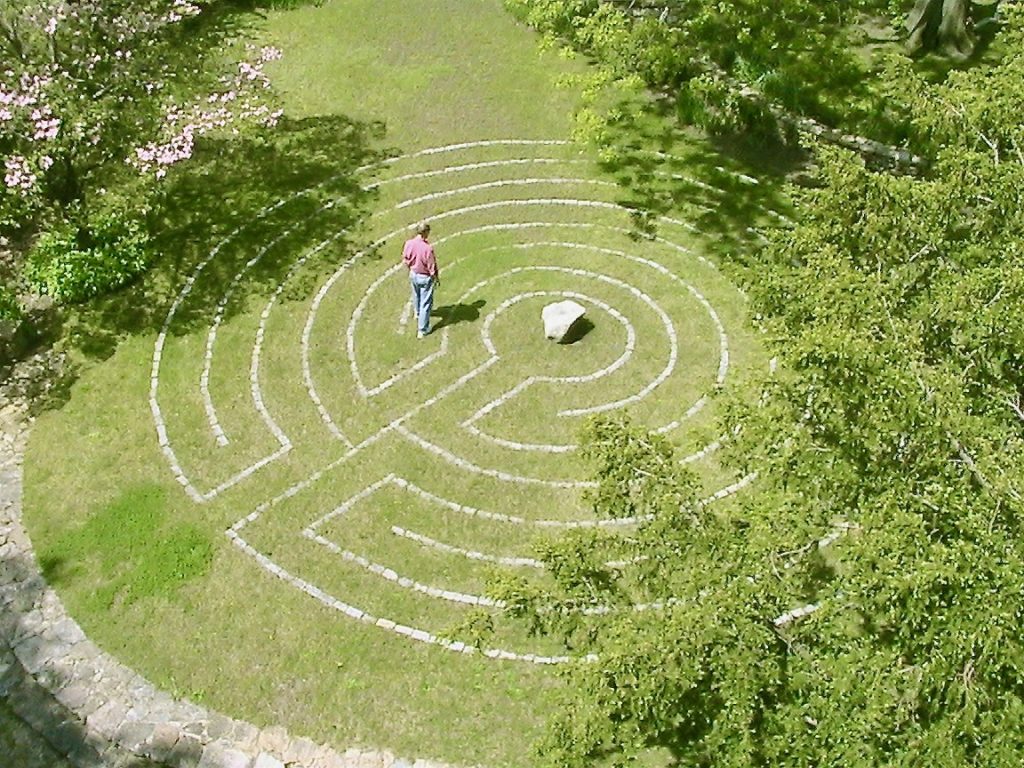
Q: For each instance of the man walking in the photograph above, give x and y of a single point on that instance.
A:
(418, 257)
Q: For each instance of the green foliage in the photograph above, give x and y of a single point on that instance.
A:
(10, 307)
(76, 263)
(93, 93)
(636, 471)
(476, 628)
(862, 606)
(137, 550)
(16, 211)
(701, 53)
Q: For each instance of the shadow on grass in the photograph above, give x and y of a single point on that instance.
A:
(231, 223)
(725, 187)
(453, 314)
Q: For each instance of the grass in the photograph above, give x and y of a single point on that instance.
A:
(150, 573)
(132, 549)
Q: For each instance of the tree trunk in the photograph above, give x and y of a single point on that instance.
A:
(940, 25)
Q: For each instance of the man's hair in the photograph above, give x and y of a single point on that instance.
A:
(423, 228)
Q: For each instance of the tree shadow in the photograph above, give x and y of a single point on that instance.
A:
(726, 188)
(229, 226)
(453, 314)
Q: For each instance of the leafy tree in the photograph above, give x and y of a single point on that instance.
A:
(90, 85)
(724, 63)
(861, 604)
(98, 95)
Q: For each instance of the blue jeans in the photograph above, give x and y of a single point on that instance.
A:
(422, 299)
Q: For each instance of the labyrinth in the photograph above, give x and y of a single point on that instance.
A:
(398, 473)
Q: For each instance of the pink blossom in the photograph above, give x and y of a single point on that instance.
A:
(18, 176)
(46, 130)
(270, 53)
(238, 101)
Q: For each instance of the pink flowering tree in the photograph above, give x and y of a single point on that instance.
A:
(90, 87)
(100, 95)
(237, 101)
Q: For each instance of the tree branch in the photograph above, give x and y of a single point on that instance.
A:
(1015, 406)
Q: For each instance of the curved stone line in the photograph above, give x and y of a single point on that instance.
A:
(350, 341)
(468, 424)
(451, 458)
(426, 541)
(464, 598)
(450, 549)
(611, 522)
(257, 393)
(211, 339)
(707, 450)
(474, 145)
(750, 180)
(723, 359)
(441, 546)
(399, 629)
(666, 320)
(723, 338)
(500, 184)
(501, 517)
(454, 169)
(403, 581)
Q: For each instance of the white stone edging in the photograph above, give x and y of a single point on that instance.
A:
(115, 711)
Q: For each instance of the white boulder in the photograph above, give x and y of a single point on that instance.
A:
(559, 317)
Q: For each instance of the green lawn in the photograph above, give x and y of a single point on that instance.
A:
(318, 467)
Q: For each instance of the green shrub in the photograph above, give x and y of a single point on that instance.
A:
(76, 263)
(15, 211)
(10, 309)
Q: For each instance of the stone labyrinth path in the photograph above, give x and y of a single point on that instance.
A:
(397, 473)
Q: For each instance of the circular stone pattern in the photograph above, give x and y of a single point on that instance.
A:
(396, 472)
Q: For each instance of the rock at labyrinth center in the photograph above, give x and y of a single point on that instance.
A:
(559, 318)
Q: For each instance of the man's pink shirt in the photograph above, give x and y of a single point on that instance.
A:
(418, 256)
